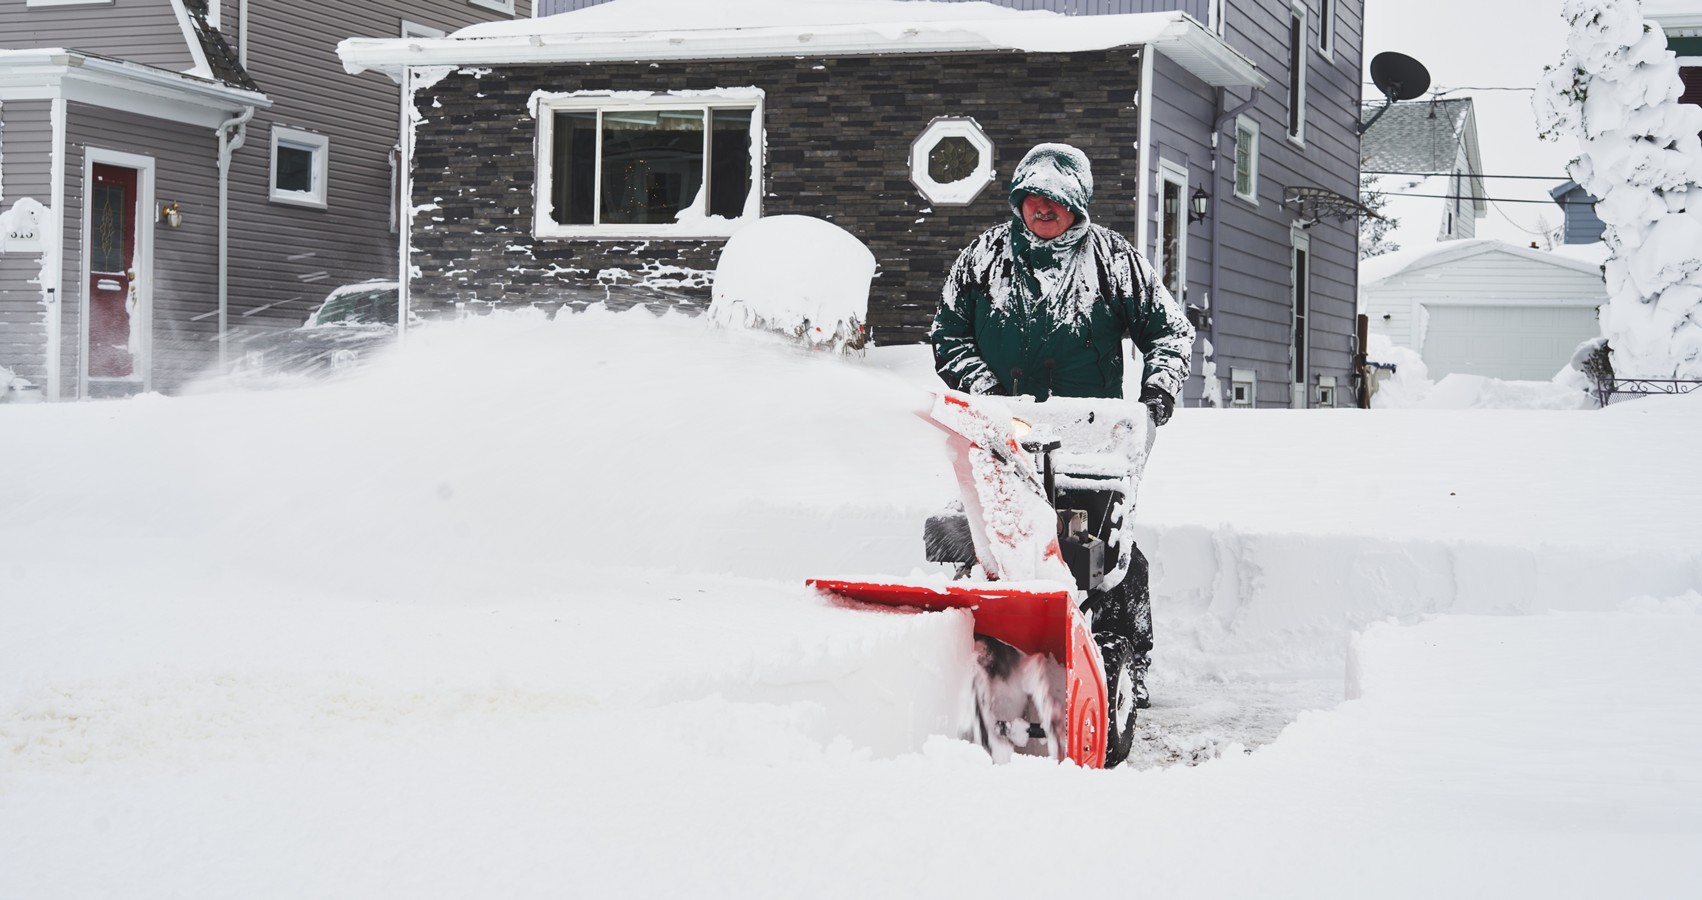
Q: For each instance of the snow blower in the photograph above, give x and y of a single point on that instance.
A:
(1048, 495)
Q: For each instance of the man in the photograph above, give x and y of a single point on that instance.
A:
(1040, 306)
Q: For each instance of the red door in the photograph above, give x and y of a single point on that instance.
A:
(112, 271)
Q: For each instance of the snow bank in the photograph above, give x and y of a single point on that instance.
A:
(798, 276)
(1409, 386)
(520, 612)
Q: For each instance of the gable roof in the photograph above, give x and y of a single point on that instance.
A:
(634, 30)
(1379, 269)
(1424, 137)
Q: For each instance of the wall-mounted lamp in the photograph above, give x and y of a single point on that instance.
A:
(1199, 203)
(171, 214)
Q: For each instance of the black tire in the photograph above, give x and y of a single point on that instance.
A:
(1121, 710)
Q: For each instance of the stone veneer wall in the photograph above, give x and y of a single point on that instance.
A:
(839, 132)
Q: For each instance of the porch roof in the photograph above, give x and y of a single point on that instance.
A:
(627, 31)
(52, 72)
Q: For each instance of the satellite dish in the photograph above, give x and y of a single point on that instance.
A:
(1399, 77)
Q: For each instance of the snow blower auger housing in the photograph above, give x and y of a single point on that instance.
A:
(1048, 494)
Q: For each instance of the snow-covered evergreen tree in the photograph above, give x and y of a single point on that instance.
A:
(1616, 90)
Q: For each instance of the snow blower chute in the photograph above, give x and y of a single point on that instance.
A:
(1048, 494)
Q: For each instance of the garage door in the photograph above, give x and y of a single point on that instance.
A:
(1517, 343)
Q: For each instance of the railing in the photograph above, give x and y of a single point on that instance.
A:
(1643, 387)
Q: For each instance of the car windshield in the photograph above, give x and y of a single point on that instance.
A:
(368, 307)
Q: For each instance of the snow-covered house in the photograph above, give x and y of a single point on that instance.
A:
(609, 151)
(175, 172)
(1429, 148)
(1485, 307)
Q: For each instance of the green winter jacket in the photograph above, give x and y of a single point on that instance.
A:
(1026, 316)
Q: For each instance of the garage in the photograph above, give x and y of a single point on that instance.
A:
(1486, 307)
(1513, 343)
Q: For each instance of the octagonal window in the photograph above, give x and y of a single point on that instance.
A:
(952, 161)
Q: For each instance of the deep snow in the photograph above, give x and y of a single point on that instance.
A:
(519, 613)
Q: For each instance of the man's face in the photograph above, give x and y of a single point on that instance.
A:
(1045, 217)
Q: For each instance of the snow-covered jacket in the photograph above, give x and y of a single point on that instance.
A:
(1048, 317)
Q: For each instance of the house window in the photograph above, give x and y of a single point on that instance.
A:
(662, 165)
(299, 167)
(1327, 391)
(1247, 159)
(1327, 27)
(1243, 385)
(1301, 289)
(951, 161)
(1297, 73)
(1172, 236)
(1690, 75)
(501, 6)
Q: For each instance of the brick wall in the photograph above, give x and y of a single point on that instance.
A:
(839, 132)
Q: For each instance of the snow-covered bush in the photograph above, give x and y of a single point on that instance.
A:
(1616, 91)
(798, 276)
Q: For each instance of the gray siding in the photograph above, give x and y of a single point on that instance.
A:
(284, 259)
(1183, 111)
(144, 31)
(1252, 307)
(185, 259)
(1581, 224)
(1195, 8)
(26, 141)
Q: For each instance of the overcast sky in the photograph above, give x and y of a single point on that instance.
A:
(1482, 44)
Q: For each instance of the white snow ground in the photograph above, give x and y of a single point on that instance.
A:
(519, 613)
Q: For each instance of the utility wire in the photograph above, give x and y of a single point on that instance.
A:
(1489, 199)
(1470, 175)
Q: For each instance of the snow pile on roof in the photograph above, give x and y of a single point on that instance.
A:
(1616, 91)
(627, 30)
(1388, 265)
(686, 15)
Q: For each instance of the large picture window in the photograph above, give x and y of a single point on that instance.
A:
(659, 165)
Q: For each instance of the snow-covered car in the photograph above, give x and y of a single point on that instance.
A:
(353, 321)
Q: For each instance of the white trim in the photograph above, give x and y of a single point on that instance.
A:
(1252, 197)
(543, 107)
(416, 30)
(1328, 10)
(1215, 16)
(316, 197)
(1327, 383)
(1205, 55)
(1687, 62)
(54, 265)
(142, 261)
(35, 3)
(1299, 362)
(963, 191)
(1299, 58)
(49, 74)
(201, 69)
(215, 13)
(1143, 154)
(1173, 173)
(1248, 377)
(501, 6)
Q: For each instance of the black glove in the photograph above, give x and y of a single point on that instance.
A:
(1159, 402)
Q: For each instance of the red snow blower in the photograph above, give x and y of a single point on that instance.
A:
(1048, 494)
